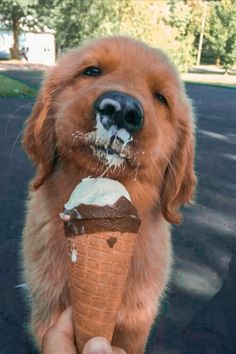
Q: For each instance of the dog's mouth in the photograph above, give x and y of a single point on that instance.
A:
(111, 150)
(111, 147)
(114, 152)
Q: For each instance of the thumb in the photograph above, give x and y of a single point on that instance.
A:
(100, 345)
(97, 345)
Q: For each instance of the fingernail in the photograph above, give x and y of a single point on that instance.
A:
(98, 345)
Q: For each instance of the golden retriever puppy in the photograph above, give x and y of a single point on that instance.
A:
(114, 108)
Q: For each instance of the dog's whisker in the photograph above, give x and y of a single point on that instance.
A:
(167, 161)
(105, 171)
(136, 170)
(54, 116)
(78, 136)
(26, 105)
(45, 132)
(158, 170)
(19, 135)
(165, 158)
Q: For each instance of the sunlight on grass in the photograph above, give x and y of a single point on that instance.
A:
(211, 79)
(216, 84)
(14, 88)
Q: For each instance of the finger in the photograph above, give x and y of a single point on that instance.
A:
(59, 339)
(118, 350)
(64, 323)
(97, 345)
(56, 343)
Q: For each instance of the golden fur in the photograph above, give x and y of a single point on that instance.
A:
(159, 176)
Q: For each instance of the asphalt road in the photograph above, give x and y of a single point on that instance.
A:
(199, 312)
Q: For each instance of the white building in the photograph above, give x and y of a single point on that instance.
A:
(39, 48)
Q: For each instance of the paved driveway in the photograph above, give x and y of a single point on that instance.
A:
(203, 245)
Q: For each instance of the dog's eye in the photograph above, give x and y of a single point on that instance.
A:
(92, 71)
(161, 98)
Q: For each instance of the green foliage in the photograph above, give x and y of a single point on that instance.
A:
(173, 25)
(23, 11)
(14, 88)
(18, 15)
(221, 32)
(158, 23)
(75, 20)
(181, 19)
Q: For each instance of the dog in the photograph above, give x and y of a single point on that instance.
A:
(114, 108)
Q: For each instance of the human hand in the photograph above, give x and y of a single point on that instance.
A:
(59, 339)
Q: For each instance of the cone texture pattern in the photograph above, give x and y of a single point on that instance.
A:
(97, 279)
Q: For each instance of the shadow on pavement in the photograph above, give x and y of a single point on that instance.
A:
(214, 326)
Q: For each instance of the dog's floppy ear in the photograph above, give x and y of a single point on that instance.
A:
(180, 180)
(39, 135)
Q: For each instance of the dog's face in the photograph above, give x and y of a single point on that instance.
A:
(116, 108)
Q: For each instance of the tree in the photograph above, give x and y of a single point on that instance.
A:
(167, 24)
(182, 20)
(204, 16)
(14, 14)
(69, 19)
(221, 32)
(77, 20)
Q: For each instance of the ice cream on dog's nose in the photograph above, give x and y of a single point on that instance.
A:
(101, 225)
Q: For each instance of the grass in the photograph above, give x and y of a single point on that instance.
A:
(214, 84)
(14, 88)
(211, 79)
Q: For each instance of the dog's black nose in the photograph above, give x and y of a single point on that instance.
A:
(120, 110)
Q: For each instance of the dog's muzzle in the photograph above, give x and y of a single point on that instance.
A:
(117, 109)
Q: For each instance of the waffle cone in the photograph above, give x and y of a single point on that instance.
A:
(98, 270)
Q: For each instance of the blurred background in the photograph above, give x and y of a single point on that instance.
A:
(191, 31)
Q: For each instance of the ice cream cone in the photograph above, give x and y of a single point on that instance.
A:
(97, 278)
(100, 246)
